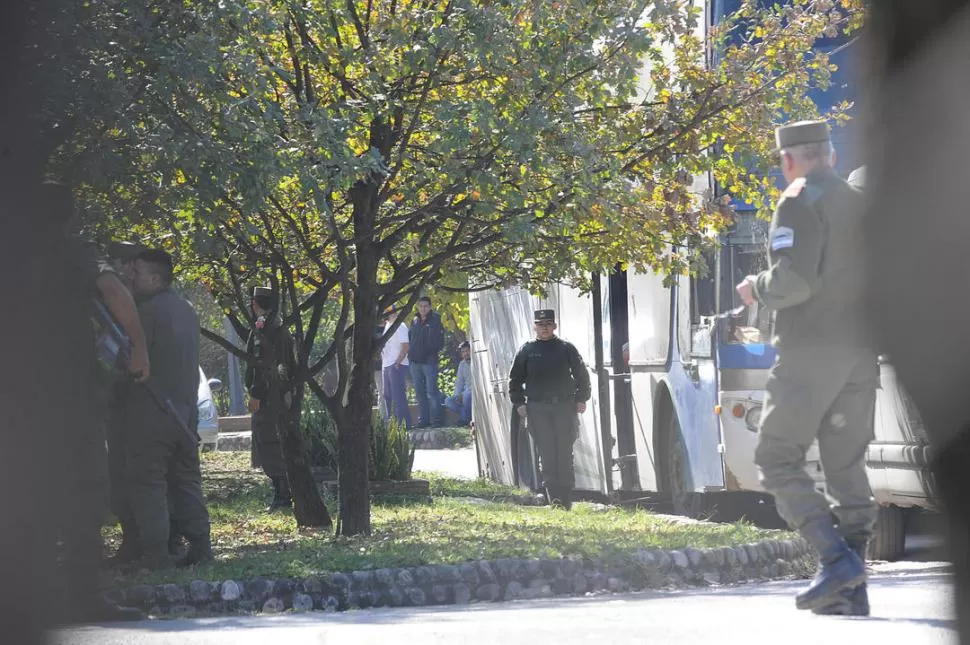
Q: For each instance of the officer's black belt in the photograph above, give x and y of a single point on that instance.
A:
(552, 399)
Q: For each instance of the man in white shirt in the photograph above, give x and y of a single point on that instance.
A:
(394, 361)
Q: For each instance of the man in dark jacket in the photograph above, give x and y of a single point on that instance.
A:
(272, 348)
(161, 461)
(426, 338)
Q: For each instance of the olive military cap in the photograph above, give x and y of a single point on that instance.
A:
(801, 133)
(544, 315)
(126, 251)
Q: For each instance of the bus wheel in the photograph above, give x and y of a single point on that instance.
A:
(680, 484)
(888, 535)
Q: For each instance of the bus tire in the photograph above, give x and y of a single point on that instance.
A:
(888, 535)
(680, 483)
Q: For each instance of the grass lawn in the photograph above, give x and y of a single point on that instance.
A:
(450, 530)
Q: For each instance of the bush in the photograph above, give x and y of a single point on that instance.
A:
(391, 450)
(391, 454)
(321, 431)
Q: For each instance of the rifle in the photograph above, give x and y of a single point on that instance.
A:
(114, 350)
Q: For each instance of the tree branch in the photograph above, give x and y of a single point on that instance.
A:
(225, 344)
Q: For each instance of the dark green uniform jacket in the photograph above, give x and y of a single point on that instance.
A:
(172, 335)
(266, 448)
(549, 371)
(815, 279)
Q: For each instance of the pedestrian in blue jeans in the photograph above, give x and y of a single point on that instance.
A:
(426, 337)
(394, 361)
(461, 401)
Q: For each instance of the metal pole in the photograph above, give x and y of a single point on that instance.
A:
(236, 396)
(603, 384)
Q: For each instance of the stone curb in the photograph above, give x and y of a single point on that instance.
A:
(234, 441)
(482, 581)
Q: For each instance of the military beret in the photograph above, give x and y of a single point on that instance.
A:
(126, 251)
(801, 133)
(543, 315)
(263, 292)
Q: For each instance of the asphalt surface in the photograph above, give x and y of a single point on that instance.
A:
(910, 605)
(461, 463)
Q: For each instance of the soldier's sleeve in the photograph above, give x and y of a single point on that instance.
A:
(517, 376)
(580, 373)
(796, 241)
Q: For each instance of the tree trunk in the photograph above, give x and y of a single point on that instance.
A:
(354, 418)
(354, 425)
(308, 506)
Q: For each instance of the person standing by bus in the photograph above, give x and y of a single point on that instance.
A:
(823, 385)
(549, 383)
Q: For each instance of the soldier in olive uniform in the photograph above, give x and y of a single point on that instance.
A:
(272, 348)
(823, 385)
(161, 461)
(549, 383)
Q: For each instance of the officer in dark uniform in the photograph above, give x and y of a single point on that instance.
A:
(272, 347)
(549, 384)
(823, 386)
(161, 460)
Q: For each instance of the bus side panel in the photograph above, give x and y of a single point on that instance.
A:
(575, 322)
(499, 325)
(694, 405)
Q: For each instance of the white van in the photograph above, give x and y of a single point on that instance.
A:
(898, 465)
(208, 414)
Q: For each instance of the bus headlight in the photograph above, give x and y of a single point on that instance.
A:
(753, 418)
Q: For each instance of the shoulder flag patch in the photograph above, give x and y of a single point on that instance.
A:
(795, 188)
(782, 238)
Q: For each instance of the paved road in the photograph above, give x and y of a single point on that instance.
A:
(910, 605)
(461, 463)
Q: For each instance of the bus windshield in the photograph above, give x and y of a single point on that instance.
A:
(743, 253)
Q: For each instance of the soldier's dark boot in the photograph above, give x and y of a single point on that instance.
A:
(174, 542)
(566, 498)
(94, 609)
(559, 497)
(155, 559)
(282, 499)
(839, 567)
(198, 553)
(851, 602)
